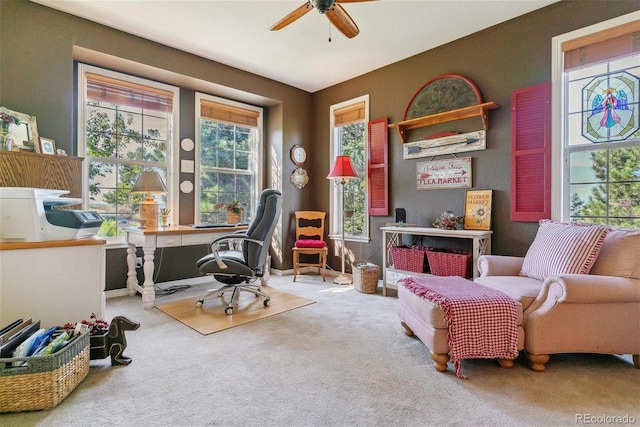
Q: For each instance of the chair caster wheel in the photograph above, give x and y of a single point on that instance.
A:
(228, 310)
(199, 303)
(267, 302)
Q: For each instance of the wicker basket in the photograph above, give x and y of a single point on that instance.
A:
(45, 380)
(450, 263)
(409, 258)
(365, 277)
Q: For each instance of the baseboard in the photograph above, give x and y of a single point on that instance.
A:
(123, 292)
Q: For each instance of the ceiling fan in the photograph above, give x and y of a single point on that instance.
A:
(331, 9)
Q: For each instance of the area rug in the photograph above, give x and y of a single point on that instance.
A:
(211, 317)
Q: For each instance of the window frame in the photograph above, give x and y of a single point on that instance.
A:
(334, 193)
(257, 162)
(560, 188)
(172, 184)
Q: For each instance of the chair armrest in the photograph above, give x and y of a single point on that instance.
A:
(584, 289)
(592, 289)
(226, 239)
(499, 265)
(220, 240)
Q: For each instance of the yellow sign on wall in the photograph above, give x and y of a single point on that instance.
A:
(477, 210)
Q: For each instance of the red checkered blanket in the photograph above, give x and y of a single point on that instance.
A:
(482, 321)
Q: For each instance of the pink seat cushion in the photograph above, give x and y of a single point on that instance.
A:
(310, 243)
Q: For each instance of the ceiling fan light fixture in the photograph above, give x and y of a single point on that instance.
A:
(323, 5)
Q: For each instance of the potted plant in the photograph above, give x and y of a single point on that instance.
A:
(234, 211)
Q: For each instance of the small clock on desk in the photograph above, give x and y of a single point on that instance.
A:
(298, 155)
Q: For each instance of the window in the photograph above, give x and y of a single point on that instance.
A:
(597, 142)
(228, 157)
(348, 137)
(126, 125)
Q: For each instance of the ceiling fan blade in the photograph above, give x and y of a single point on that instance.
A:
(342, 21)
(296, 14)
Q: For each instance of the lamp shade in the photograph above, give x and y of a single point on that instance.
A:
(149, 182)
(343, 169)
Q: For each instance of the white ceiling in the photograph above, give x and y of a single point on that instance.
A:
(236, 33)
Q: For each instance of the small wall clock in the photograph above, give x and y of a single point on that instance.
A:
(298, 155)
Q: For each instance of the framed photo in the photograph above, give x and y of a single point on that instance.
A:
(18, 131)
(47, 146)
(477, 210)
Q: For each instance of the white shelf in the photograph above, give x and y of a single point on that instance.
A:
(391, 236)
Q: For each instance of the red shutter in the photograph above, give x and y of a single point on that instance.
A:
(378, 167)
(531, 153)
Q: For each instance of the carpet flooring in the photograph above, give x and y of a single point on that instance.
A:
(344, 361)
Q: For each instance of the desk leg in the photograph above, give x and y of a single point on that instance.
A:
(148, 291)
(132, 279)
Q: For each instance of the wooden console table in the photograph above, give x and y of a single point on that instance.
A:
(163, 237)
(392, 236)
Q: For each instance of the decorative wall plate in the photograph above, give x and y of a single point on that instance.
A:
(187, 144)
(299, 178)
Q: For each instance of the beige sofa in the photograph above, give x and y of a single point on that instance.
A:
(597, 312)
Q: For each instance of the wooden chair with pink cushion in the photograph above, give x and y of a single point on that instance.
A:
(309, 241)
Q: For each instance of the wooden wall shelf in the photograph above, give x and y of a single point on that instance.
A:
(480, 110)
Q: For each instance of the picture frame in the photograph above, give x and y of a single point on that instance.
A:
(477, 210)
(47, 146)
(18, 131)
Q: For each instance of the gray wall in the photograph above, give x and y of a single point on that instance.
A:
(37, 77)
(499, 59)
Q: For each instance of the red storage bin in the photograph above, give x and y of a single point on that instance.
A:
(409, 258)
(450, 263)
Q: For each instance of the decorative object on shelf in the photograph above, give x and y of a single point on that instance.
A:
(477, 210)
(149, 182)
(234, 211)
(445, 98)
(47, 146)
(441, 174)
(298, 155)
(342, 171)
(18, 131)
(299, 178)
(164, 216)
(456, 143)
(449, 221)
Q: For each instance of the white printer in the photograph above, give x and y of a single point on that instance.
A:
(26, 215)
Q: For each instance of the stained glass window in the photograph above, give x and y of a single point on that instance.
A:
(602, 142)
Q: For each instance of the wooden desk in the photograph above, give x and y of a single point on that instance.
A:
(163, 237)
(392, 236)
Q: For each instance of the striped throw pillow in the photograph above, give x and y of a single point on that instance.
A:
(563, 248)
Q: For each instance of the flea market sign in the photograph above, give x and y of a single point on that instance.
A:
(450, 173)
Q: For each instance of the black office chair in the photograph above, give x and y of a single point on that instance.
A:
(238, 270)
